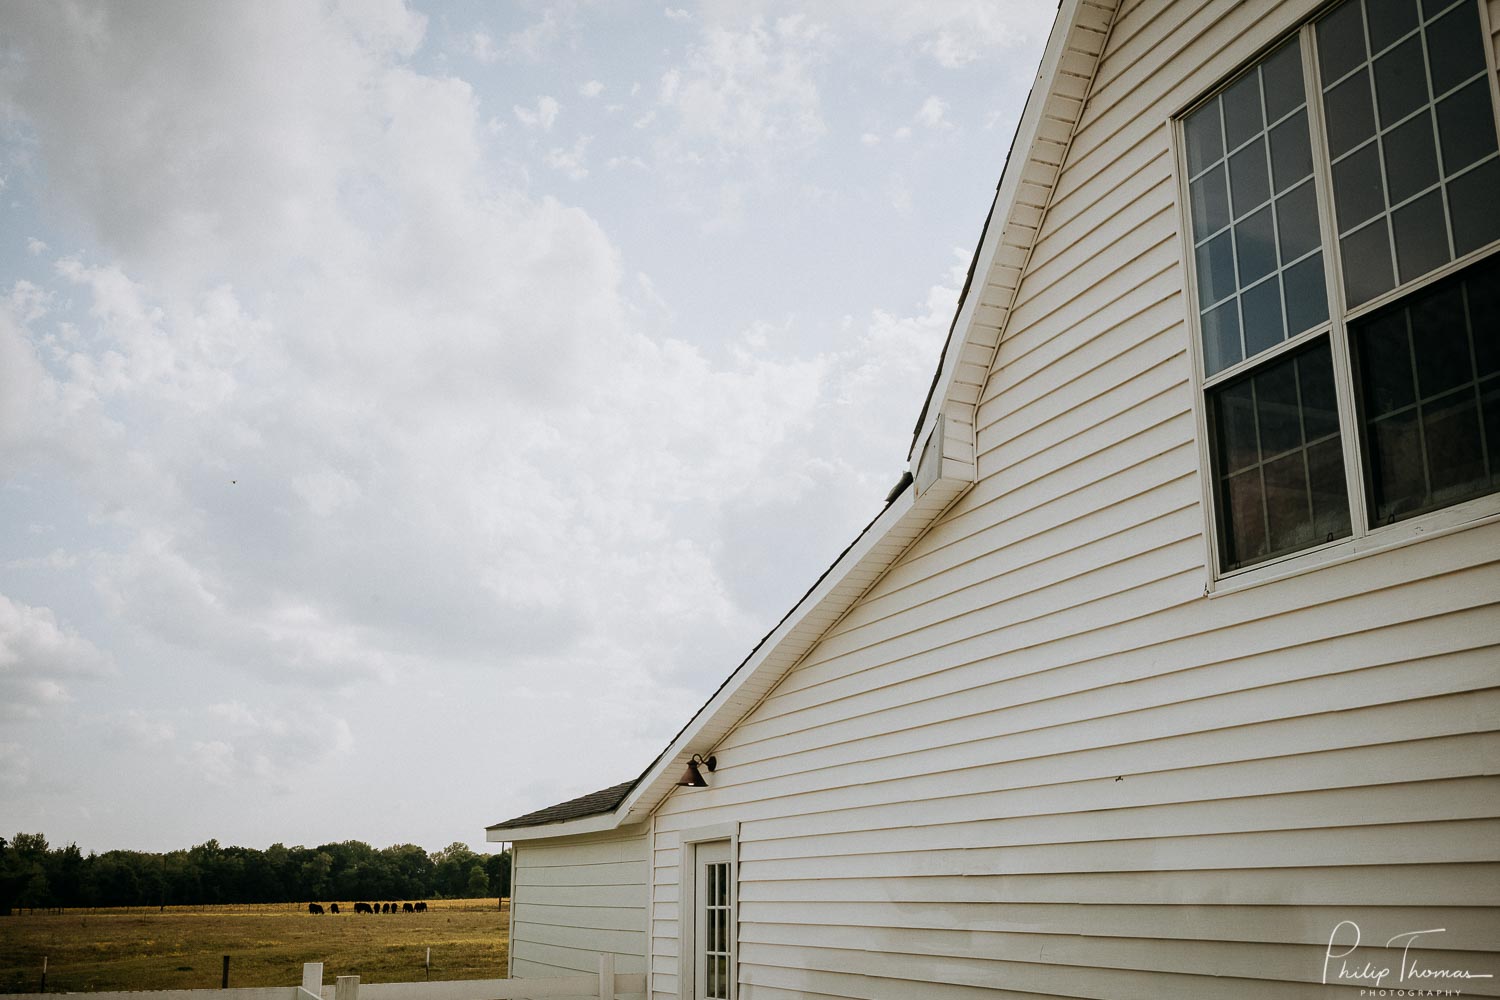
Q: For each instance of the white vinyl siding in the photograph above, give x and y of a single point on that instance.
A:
(1036, 759)
(575, 898)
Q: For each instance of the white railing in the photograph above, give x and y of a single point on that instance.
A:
(607, 985)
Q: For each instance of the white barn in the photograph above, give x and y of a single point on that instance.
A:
(1173, 673)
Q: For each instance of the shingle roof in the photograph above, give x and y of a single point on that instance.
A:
(593, 803)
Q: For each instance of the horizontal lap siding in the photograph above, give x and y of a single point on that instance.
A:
(575, 899)
(1035, 760)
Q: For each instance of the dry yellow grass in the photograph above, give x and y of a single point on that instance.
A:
(182, 947)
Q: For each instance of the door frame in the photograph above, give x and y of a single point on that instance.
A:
(727, 834)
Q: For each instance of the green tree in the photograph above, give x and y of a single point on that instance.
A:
(315, 874)
(479, 882)
(452, 865)
(498, 867)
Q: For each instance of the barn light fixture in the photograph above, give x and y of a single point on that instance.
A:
(693, 776)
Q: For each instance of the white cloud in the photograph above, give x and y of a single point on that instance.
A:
(267, 745)
(325, 491)
(748, 92)
(954, 33)
(350, 410)
(15, 765)
(39, 659)
(591, 88)
(533, 41)
(677, 14)
(56, 559)
(542, 116)
(481, 45)
(139, 729)
(35, 247)
(934, 114)
(571, 161)
(28, 302)
(869, 139)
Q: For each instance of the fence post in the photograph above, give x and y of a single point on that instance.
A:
(606, 976)
(312, 978)
(224, 980)
(346, 988)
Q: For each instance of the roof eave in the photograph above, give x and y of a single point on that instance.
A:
(1031, 171)
(597, 823)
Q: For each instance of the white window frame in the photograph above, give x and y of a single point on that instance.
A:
(1363, 540)
(687, 869)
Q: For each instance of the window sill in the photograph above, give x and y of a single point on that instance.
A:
(1450, 520)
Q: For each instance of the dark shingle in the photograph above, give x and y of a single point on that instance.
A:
(591, 804)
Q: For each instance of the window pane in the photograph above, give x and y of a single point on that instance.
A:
(1249, 184)
(1330, 496)
(1215, 270)
(1306, 295)
(1389, 20)
(1221, 338)
(1410, 158)
(1278, 417)
(1483, 300)
(1348, 113)
(1341, 41)
(1490, 408)
(1425, 444)
(1396, 465)
(1205, 144)
(1474, 206)
(1210, 202)
(1245, 518)
(1386, 366)
(1281, 78)
(1455, 451)
(1442, 338)
(1357, 194)
(1421, 236)
(1242, 116)
(1432, 8)
(1288, 514)
(1367, 263)
(1466, 127)
(1297, 221)
(1320, 408)
(1292, 496)
(1400, 82)
(1291, 152)
(1454, 48)
(1255, 244)
(1260, 308)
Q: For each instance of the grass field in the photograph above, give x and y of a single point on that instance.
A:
(182, 947)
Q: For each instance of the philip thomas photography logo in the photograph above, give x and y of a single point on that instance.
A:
(1396, 970)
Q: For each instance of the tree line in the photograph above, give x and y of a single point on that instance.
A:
(36, 876)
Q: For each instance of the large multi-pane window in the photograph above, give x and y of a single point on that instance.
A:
(1345, 279)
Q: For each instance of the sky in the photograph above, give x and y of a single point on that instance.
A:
(410, 413)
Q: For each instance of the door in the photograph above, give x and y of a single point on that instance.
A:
(713, 922)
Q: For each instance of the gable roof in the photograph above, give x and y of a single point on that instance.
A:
(591, 804)
(942, 456)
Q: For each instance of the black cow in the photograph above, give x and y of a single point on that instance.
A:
(314, 908)
(333, 907)
(408, 908)
(363, 908)
(421, 907)
(385, 907)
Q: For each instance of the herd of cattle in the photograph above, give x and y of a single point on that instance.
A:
(372, 908)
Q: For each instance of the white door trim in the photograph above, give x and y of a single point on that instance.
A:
(725, 835)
